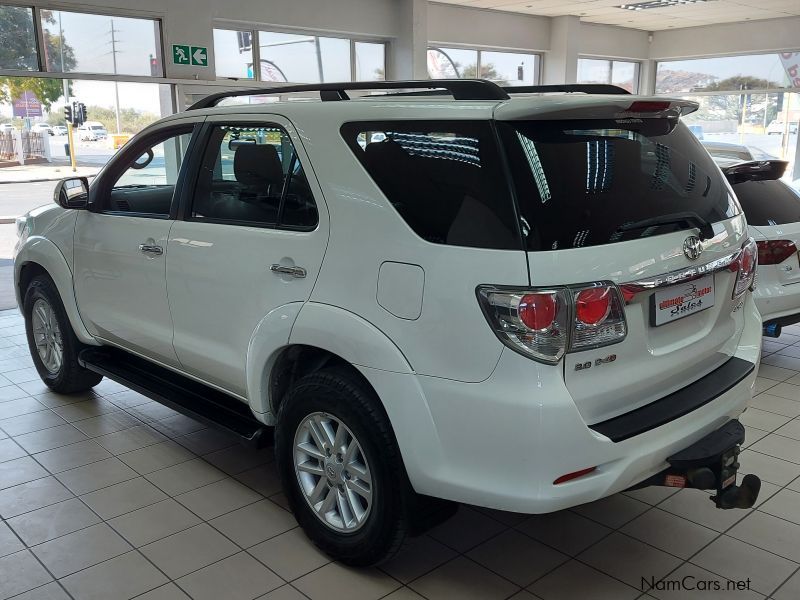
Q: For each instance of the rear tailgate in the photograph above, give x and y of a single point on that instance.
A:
(588, 191)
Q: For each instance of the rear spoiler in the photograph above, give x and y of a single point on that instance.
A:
(594, 106)
(757, 170)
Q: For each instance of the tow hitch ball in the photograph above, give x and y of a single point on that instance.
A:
(711, 464)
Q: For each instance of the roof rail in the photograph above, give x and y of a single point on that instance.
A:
(461, 89)
(586, 88)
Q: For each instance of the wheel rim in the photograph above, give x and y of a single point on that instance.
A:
(47, 335)
(333, 472)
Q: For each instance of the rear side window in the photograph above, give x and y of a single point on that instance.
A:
(768, 202)
(444, 178)
(589, 183)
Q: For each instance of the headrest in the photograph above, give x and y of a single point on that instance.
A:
(257, 164)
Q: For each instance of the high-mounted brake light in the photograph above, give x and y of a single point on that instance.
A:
(645, 106)
(774, 252)
(544, 324)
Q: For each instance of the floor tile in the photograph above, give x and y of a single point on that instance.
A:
(776, 404)
(613, 511)
(32, 495)
(730, 558)
(84, 410)
(770, 533)
(783, 362)
(131, 439)
(762, 385)
(263, 479)
(696, 506)
(238, 577)
(12, 392)
(9, 450)
(206, 441)
(669, 533)
(627, 559)
(50, 591)
(336, 582)
(127, 398)
(20, 470)
(218, 498)
(156, 457)
(254, 523)
(652, 495)
(47, 439)
(107, 423)
(51, 399)
(120, 578)
(72, 456)
(9, 542)
(122, 498)
(768, 468)
(762, 419)
(287, 592)
(177, 426)
(165, 592)
(21, 375)
(187, 551)
(81, 549)
(786, 390)
(291, 554)
(238, 458)
(152, 411)
(785, 504)
(34, 421)
(791, 429)
(154, 522)
(576, 581)
(22, 406)
(775, 373)
(417, 557)
(779, 447)
(28, 574)
(690, 582)
(564, 530)
(185, 476)
(789, 590)
(53, 521)
(517, 557)
(96, 475)
(466, 529)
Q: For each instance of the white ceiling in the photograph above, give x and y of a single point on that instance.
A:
(607, 11)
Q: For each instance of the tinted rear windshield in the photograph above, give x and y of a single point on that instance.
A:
(768, 202)
(589, 183)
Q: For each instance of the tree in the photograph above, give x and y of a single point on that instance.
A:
(488, 71)
(741, 82)
(18, 51)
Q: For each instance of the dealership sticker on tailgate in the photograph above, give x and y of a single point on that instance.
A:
(678, 301)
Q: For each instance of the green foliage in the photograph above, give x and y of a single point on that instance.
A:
(742, 82)
(488, 71)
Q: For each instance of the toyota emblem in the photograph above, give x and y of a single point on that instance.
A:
(692, 247)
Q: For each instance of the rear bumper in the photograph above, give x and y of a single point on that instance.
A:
(776, 301)
(503, 442)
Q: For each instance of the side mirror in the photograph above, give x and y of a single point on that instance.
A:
(72, 193)
(758, 170)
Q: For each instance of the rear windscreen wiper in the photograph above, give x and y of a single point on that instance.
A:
(690, 218)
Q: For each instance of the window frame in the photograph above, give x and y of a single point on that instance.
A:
(100, 191)
(637, 77)
(190, 187)
(539, 56)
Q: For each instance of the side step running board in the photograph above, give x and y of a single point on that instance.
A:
(193, 399)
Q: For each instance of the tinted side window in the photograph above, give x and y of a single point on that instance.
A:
(444, 178)
(768, 202)
(252, 175)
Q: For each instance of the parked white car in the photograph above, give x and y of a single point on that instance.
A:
(470, 307)
(42, 128)
(778, 127)
(6, 127)
(59, 130)
(92, 131)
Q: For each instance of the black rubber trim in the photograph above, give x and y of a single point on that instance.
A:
(677, 404)
(193, 399)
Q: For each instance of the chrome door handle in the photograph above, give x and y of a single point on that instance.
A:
(151, 249)
(297, 272)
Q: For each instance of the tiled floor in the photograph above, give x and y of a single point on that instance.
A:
(109, 496)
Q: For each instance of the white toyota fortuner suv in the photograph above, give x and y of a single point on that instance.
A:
(524, 303)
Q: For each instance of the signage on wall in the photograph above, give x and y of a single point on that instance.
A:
(27, 105)
(184, 54)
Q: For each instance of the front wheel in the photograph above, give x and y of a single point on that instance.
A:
(341, 468)
(52, 343)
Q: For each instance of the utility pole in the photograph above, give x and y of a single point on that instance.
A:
(116, 84)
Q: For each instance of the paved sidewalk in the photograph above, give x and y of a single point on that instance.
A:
(48, 172)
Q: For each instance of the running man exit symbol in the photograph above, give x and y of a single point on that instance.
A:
(181, 54)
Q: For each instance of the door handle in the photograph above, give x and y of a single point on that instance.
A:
(151, 249)
(297, 272)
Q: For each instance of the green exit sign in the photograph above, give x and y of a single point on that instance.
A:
(184, 54)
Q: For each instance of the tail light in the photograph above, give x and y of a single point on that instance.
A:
(774, 252)
(544, 324)
(745, 267)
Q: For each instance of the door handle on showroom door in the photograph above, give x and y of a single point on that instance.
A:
(297, 272)
(151, 249)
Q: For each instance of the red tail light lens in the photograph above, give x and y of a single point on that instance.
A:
(593, 305)
(575, 475)
(537, 311)
(774, 252)
(745, 277)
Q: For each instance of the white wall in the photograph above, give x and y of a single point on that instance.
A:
(452, 24)
(610, 41)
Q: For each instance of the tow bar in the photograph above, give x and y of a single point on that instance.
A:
(711, 464)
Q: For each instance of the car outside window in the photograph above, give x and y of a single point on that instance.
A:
(768, 202)
(444, 178)
(252, 175)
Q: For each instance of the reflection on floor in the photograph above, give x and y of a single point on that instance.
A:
(109, 495)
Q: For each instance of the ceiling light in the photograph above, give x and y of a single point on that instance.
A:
(660, 4)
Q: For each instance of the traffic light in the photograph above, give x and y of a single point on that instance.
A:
(68, 114)
(82, 111)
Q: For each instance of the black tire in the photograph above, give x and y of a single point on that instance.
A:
(344, 395)
(70, 377)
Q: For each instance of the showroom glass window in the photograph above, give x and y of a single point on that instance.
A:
(504, 68)
(233, 53)
(18, 39)
(624, 74)
(88, 43)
